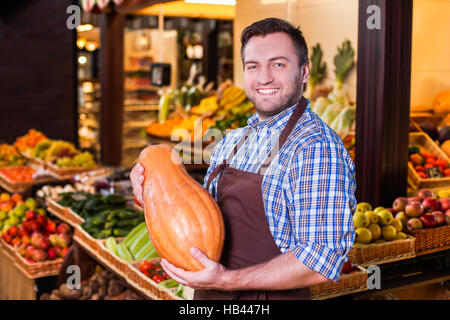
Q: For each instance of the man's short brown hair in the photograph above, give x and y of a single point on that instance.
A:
(272, 25)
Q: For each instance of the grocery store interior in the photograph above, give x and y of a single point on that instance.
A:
(86, 85)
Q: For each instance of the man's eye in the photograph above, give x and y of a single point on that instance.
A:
(279, 64)
(251, 67)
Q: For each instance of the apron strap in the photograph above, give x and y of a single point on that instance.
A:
(298, 112)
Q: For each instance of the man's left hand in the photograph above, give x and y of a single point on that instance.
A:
(211, 277)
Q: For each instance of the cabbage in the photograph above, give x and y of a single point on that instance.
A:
(331, 112)
(338, 95)
(344, 120)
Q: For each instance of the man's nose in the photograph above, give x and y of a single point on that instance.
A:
(265, 76)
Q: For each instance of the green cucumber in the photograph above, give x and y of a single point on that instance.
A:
(169, 283)
(133, 233)
(145, 251)
(139, 242)
(151, 254)
(111, 245)
(123, 252)
(120, 232)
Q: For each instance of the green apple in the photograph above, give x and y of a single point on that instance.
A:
(365, 205)
(389, 233)
(397, 224)
(373, 216)
(385, 217)
(401, 236)
(375, 230)
(360, 220)
(377, 209)
(363, 235)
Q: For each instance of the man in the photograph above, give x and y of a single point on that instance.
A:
(285, 183)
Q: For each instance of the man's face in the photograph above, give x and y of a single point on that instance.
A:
(273, 80)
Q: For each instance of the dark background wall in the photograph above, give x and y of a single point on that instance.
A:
(37, 70)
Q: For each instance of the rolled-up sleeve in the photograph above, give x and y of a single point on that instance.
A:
(320, 194)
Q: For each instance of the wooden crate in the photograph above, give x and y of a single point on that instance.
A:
(379, 253)
(21, 187)
(348, 283)
(430, 240)
(67, 173)
(424, 141)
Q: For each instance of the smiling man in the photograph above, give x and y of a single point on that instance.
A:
(285, 183)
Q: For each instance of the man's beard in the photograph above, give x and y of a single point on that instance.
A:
(293, 99)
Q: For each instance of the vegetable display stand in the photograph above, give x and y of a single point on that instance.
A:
(82, 236)
(347, 284)
(113, 259)
(127, 272)
(63, 213)
(423, 140)
(35, 162)
(15, 285)
(431, 240)
(379, 253)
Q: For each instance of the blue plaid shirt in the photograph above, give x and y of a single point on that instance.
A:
(308, 190)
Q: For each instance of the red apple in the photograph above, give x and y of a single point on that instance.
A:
(22, 249)
(428, 220)
(44, 244)
(414, 224)
(58, 250)
(15, 242)
(440, 217)
(63, 228)
(29, 251)
(447, 216)
(30, 215)
(431, 204)
(64, 240)
(51, 254)
(36, 239)
(26, 239)
(391, 211)
(35, 226)
(413, 209)
(414, 199)
(13, 231)
(445, 204)
(425, 193)
(7, 237)
(51, 226)
(39, 255)
(23, 231)
(399, 204)
(42, 220)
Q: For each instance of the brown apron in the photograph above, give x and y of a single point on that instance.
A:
(248, 240)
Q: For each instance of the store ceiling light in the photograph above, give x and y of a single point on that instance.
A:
(222, 2)
(91, 46)
(82, 60)
(81, 42)
(85, 27)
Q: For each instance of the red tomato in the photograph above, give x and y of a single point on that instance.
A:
(419, 168)
(422, 174)
(157, 278)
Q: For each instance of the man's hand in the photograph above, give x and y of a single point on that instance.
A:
(137, 179)
(211, 277)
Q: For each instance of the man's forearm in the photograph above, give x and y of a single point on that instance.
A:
(281, 273)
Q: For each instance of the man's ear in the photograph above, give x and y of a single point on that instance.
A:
(305, 72)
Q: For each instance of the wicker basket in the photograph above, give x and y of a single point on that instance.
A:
(379, 253)
(20, 187)
(32, 270)
(64, 213)
(34, 162)
(348, 283)
(66, 173)
(150, 287)
(81, 235)
(424, 141)
(430, 240)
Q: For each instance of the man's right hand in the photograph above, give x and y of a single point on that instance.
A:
(137, 179)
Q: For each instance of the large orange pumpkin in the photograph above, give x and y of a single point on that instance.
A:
(179, 212)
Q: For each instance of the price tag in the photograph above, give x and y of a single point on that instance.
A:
(434, 173)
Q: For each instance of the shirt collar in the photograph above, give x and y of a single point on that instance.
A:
(276, 122)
